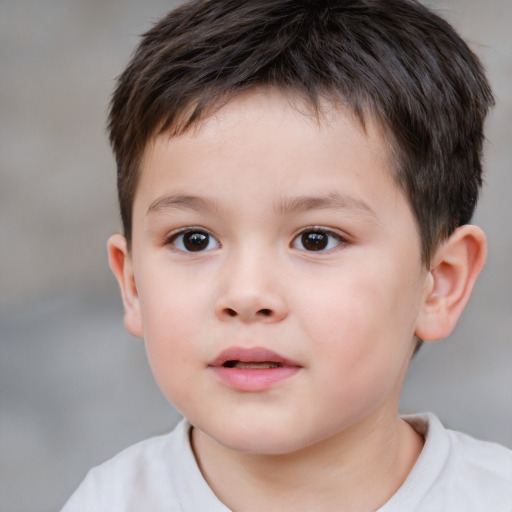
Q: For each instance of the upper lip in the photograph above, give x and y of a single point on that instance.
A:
(251, 355)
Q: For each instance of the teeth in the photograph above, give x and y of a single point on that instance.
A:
(252, 366)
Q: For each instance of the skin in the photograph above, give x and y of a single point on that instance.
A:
(254, 177)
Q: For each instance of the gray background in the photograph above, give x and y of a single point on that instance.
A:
(74, 387)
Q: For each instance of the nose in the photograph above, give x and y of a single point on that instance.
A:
(251, 292)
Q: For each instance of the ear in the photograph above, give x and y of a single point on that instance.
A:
(453, 272)
(121, 264)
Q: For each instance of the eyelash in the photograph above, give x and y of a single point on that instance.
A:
(318, 237)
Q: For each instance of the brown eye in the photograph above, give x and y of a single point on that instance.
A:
(194, 241)
(314, 241)
(317, 240)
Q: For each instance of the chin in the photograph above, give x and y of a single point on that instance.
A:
(256, 446)
(259, 439)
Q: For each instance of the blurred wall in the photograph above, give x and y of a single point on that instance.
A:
(74, 387)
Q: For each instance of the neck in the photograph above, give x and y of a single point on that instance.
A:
(332, 474)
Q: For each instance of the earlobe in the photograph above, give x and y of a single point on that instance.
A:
(454, 270)
(121, 264)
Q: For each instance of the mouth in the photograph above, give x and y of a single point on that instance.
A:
(252, 369)
(251, 365)
(256, 358)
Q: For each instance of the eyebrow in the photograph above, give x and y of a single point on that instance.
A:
(182, 202)
(333, 201)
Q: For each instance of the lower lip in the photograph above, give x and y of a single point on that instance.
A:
(257, 379)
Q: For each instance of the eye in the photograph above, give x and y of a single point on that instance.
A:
(317, 240)
(193, 240)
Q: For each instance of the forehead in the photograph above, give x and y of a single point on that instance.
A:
(260, 104)
(268, 130)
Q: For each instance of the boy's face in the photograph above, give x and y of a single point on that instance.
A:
(277, 275)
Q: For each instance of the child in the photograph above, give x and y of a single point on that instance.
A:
(296, 180)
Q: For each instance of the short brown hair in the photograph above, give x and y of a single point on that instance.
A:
(394, 60)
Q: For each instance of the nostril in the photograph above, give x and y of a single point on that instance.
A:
(248, 314)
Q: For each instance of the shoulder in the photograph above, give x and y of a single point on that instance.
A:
(138, 478)
(158, 475)
(487, 463)
(457, 472)
(480, 468)
(481, 456)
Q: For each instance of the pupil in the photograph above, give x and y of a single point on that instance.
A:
(314, 241)
(195, 241)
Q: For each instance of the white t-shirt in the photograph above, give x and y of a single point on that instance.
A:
(454, 473)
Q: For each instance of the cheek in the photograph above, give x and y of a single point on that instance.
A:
(173, 325)
(172, 303)
(361, 325)
(346, 314)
